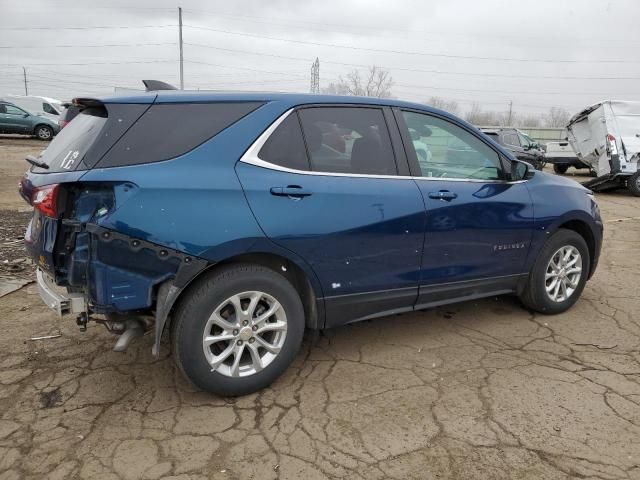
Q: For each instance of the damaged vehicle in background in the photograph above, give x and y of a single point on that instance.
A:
(606, 137)
(561, 156)
(235, 221)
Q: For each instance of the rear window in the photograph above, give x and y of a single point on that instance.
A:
(84, 141)
(69, 147)
(167, 131)
(71, 112)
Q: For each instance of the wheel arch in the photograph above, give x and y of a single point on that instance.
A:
(42, 124)
(583, 229)
(312, 300)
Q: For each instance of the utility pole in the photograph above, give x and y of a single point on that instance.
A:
(315, 77)
(24, 73)
(181, 56)
(510, 112)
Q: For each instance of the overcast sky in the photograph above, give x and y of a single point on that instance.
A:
(566, 53)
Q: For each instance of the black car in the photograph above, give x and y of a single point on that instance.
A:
(518, 143)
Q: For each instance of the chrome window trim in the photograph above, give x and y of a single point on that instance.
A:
(251, 157)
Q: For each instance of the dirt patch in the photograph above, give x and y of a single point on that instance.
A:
(14, 261)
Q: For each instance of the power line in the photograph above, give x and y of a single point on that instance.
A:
(93, 27)
(405, 52)
(384, 27)
(88, 63)
(415, 70)
(93, 46)
(246, 68)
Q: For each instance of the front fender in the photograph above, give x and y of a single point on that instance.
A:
(558, 201)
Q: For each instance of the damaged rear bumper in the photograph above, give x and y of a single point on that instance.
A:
(61, 302)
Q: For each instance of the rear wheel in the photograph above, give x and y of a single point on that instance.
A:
(238, 330)
(633, 184)
(558, 275)
(560, 169)
(44, 132)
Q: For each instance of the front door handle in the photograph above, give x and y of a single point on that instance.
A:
(443, 195)
(292, 191)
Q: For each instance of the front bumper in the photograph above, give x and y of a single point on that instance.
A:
(60, 301)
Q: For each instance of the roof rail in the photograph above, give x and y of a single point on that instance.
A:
(153, 85)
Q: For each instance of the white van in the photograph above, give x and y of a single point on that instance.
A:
(606, 137)
(44, 106)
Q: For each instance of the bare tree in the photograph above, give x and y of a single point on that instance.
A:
(450, 106)
(557, 117)
(336, 89)
(376, 83)
(477, 116)
(529, 121)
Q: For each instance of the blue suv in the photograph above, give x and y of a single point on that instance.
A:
(232, 222)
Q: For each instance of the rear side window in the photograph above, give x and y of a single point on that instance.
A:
(166, 131)
(348, 140)
(511, 139)
(285, 147)
(49, 109)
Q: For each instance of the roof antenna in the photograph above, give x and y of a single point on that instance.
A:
(153, 85)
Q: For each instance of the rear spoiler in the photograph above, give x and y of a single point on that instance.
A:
(154, 85)
(150, 85)
(87, 102)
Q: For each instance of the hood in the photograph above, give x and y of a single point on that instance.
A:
(551, 179)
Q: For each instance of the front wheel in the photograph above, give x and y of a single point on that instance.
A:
(558, 275)
(44, 132)
(633, 184)
(238, 329)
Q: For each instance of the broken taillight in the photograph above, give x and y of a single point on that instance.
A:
(611, 142)
(45, 199)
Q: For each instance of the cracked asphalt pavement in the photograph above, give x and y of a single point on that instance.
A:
(482, 389)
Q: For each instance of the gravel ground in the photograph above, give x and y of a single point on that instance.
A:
(481, 389)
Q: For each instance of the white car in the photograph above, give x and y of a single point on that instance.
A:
(42, 106)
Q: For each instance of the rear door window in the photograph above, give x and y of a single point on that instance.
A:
(348, 140)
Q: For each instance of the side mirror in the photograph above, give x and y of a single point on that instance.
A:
(25, 115)
(520, 171)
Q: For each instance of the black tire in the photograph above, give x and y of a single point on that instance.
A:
(534, 296)
(633, 184)
(560, 169)
(43, 132)
(200, 302)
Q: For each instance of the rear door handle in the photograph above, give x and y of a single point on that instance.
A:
(293, 191)
(443, 195)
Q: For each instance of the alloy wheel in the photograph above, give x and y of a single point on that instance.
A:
(44, 133)
(563, 273)
(244, 334)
